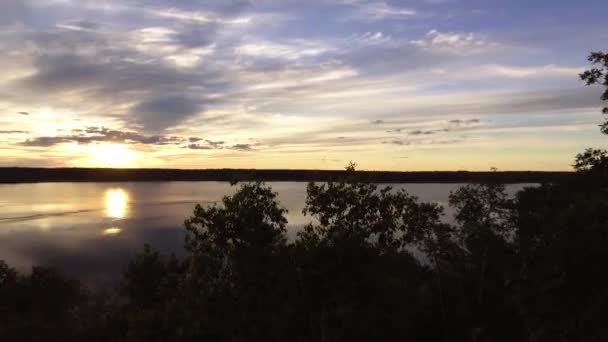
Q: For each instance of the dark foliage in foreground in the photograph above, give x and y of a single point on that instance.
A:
(375, 265)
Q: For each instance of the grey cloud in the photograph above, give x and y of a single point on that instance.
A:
(214, 143)
(23, 113)
(424, 142)
(397, 142)
(102, 134)
(419, 132)
(64, 73)
(543, 101)
(378, 122)
(121, 136)
(242, 147)
(46, 141)
(79, 25)
(557, 99)
(100, 70)
(199, 147)
(195, 35)
(13, 132)
(206, 145)
(158, 113)
(85, 24)
(431, 131)
(109, 76)
(459, 122)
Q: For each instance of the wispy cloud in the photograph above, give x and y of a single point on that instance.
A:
(292, 50)
(455, 42)
(376, 10)
(14, 132)
(546, 71)
(198, 16)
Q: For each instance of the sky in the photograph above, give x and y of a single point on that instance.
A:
(309, 84)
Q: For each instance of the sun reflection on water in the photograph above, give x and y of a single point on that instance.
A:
(117, 203)
(111, 231)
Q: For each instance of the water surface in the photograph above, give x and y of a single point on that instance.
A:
(90, 230)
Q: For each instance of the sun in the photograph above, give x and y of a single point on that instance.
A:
(113, 155)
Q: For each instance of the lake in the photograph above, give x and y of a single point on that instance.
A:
(91, 230)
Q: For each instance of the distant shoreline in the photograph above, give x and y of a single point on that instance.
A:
(11, 175)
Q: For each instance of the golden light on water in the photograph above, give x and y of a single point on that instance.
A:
(117, 203)
(111, 231)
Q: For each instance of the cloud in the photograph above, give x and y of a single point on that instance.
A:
(198, 17)
(429, 132)
(376, 39)
(291, 50)
(516, 72)
(552, 100)
(65, 73)
(397, 142)
(14, 132)
(120, 80)
(199, 147)
(375, 10)
(205, 144)
(102, 134)
(159, 113)
(459, 122)
(219, 145)
(46, 141)
(454, 125)
(214, 143)
(79, 25)
(378, 122)
(23, 113)
(454, 42)
(242, 147)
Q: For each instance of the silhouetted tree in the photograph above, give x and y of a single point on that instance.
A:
(41, 306)
(486, 232)
(236, 252)
(598, 76)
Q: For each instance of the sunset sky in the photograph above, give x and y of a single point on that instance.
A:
(392, 85)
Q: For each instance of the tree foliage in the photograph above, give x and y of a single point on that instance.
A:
(598, 75)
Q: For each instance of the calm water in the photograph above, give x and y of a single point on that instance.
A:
(90, 230)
